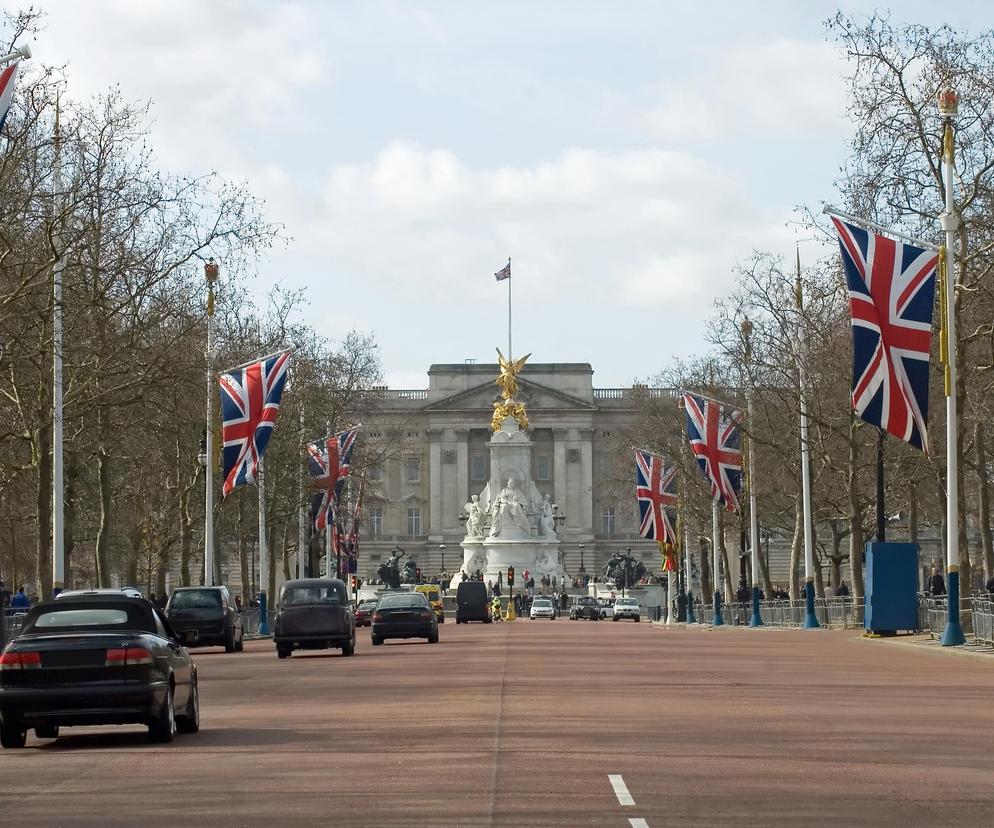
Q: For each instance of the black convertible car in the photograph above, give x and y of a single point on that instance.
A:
(96, 660)
(586, 607)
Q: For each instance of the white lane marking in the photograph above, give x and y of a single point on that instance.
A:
(620, 789)
(638, 822)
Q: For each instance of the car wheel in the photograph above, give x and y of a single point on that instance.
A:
(240, 646)
(283, 650)
(615, 618)
(163, 727)
(12, 735)
(229, 641)
(47, 732)
(377, 641)
(348, 648)
(636, 619)
(189, 722)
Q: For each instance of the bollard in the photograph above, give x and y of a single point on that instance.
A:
(263, 615)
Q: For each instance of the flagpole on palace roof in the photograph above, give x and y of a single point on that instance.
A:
(810, 619)
(952, 635)
(510, 354)
(755, 620)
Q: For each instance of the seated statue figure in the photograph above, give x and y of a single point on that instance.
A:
(508, 515)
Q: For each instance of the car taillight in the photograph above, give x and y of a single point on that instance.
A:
(122, 656)
(426, 613)
(20, 661)
(377, 616)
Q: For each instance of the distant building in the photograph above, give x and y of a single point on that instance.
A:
(437, 456)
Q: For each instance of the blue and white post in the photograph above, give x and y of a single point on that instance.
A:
(810, 618)
(691, 618)
(263, 553)
(952, 635)
(718, 620)
(756, 620)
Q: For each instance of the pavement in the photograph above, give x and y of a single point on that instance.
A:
(554, 723)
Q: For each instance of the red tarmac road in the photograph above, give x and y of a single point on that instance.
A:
(522, 724)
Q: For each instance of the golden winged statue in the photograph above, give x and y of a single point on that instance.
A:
(508, 384)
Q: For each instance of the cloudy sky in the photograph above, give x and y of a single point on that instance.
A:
(625, 154)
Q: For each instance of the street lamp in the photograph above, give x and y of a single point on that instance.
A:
(441, 549)
(582, 567)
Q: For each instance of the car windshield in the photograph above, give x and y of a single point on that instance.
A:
(313, 595)
(195, 599)
(430, 594)
(367, 605)
(542, 602)
(626, 602)
(89, 617)
(414, 600)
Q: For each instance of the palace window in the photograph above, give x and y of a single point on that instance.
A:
(543, 467)
(374, 474)
(376, 521)
(607, 521)
(413, 469)
(479, 467)
(413, 521)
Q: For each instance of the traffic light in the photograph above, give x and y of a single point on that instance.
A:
(510, 576)
(355, 583)
(417, 574)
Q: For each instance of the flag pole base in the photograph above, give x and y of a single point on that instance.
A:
(691, 618)
(718, 620)
(756, 620)
(952, 634)
(810, 618)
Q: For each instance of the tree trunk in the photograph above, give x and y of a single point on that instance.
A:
(103, 528)
(729, 589)
(71, 513)
(44, 511)
(134, 554)
(796, 545)
(764, 570)
(855, 514)
(984, 503)
(703, 554)
(243, 553)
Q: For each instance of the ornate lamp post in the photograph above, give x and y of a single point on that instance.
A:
(441, 550)
(582, 567)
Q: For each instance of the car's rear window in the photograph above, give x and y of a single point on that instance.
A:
(431, 594)
(415, 599)
(542, 602)
(195, 599)
(313, 595)
(82, 618)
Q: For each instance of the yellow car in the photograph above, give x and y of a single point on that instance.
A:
(434, 596)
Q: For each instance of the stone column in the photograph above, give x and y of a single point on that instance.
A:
(434, 527)
(462, 474)
(559, 437)
(586, 479)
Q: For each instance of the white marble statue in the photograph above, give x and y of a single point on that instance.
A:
(546, 522)
(474, 523)
(507, 515)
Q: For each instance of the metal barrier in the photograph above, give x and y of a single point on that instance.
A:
(936, 611)
(983, 620)
(250, 620)
(841, 612)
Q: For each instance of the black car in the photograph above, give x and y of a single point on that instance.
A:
(404, 615)
(364, 613)
(472, 602)
(314, 614)
(210, 614)
(585, 607)
(96, 660)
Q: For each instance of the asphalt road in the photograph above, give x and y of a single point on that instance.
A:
(545, 723)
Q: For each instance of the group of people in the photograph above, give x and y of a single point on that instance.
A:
(16, 602)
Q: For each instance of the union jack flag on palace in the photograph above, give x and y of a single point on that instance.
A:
(716, 442)
(328, 463)
(655, 490)
(891, 297)
(250, 404)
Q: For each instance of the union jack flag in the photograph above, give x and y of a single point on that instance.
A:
(7, 77)
(715, 440)
(250, 404)
(328, 462)
(655, 490)
(504, 272)
(891, 296)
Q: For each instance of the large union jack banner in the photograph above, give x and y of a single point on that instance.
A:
(715, 440)
(655, 490)
(250, 404)
(328, 463)
(891, 296)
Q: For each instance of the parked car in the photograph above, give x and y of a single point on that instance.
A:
(472, 603)
(94, 660)
(542, 608)
(586, 607)
(364, 613)
(314, 614)
(627, 608)
(434, 596)
(404, 615)
(607, 608)
(211, 613)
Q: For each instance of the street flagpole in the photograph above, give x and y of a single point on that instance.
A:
(952, 634)
(211, 275)
(810, 619)
(263, 553)
(58, 474)
(756, 619)
(691, 618)
(715, 577)
(302, 509)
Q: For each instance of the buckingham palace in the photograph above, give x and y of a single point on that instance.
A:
(426, 451)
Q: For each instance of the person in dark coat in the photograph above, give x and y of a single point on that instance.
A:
(937, 583)
(990, 586)
(20, 601)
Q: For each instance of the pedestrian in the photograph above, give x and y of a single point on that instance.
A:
(990, 586)
(937, 582)
(744, 594)
(20, 601)
(842, 591)
(490, 588)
